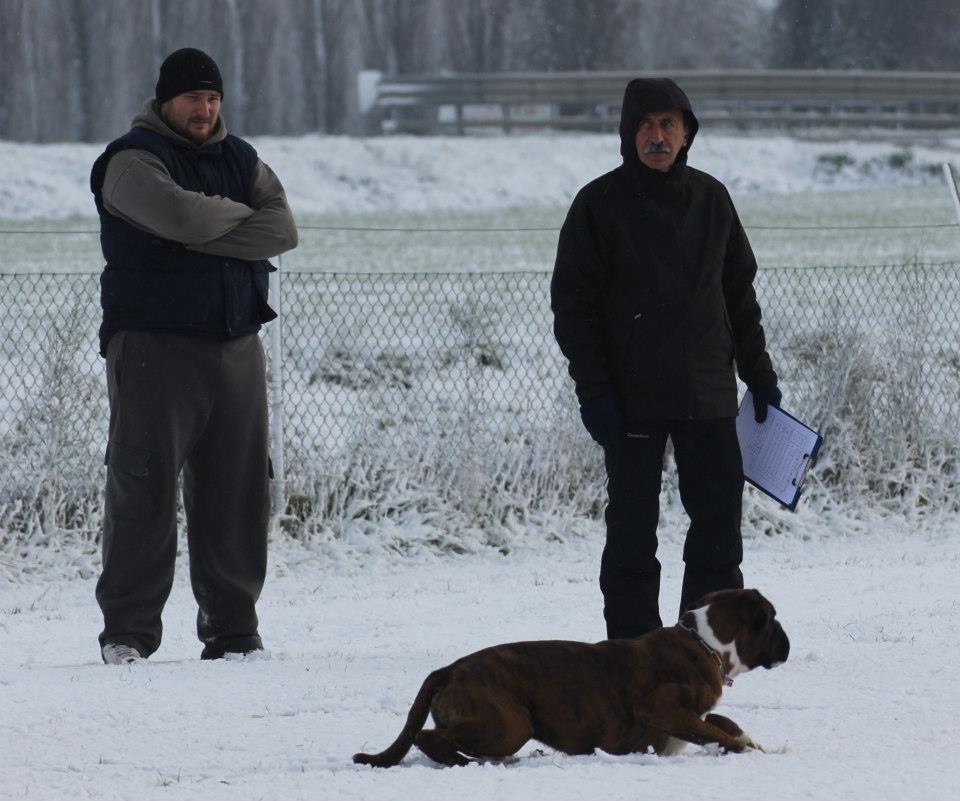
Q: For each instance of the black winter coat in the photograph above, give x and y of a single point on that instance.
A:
(652, 293)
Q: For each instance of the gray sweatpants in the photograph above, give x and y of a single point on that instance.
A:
(180, 402)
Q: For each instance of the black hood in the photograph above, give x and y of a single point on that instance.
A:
(643, 96)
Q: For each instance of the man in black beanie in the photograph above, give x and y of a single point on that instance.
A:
(189, 216)
(653, 304)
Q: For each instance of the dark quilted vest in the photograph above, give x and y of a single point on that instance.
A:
(153, 283)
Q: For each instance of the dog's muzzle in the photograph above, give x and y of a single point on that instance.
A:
(778, 647)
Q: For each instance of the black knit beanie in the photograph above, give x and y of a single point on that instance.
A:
(187, 70)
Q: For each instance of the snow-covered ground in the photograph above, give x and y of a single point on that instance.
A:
(865, 708)
(334, 175)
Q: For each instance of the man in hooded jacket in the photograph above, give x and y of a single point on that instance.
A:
(653, 304)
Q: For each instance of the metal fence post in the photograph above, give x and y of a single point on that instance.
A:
(276, 399)
(952, 186)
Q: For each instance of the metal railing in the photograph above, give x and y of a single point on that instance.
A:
(591, 100)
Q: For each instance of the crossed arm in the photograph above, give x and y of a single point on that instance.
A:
(138, 189)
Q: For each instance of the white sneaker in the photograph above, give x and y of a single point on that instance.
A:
(118, 654)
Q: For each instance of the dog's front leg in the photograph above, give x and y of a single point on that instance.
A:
(690, 728)
(671, 710)
(733, 730)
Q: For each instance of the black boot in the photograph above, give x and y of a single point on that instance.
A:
(698, 581)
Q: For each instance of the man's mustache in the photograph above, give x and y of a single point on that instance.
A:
(656, 147)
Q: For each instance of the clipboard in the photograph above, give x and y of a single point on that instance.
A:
(777, 453)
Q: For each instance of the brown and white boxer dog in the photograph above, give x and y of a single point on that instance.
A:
(622, 696)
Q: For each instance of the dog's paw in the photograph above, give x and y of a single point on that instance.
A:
(749, 744)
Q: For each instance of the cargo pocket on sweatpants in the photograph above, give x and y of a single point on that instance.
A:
(131, 490)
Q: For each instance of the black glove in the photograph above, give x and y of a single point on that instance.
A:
(764, 397)
(600, 418)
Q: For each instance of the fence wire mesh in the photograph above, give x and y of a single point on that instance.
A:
(396, 386)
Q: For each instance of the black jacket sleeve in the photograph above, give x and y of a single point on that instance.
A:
(739, 270)
(577, 293)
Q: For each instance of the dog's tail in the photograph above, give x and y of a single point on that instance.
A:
(416, 717)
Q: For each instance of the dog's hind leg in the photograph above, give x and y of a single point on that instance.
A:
(496, 733)
(439, 748)
(496, 738)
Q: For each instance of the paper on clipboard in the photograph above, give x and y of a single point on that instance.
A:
(776, 453)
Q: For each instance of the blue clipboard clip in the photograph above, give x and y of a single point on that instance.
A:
(808, 461)
(805, 464)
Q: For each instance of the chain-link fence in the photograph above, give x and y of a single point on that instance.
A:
(402, 389)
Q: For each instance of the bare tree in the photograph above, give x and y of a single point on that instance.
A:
(569, 35)
(475, 32)
(278, 88)
(341, 43)
(395, 34)
(850, 34)
(687, 34)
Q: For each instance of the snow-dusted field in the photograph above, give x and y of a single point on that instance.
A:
(865, 708)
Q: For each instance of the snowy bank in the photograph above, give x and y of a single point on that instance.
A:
(341, 175)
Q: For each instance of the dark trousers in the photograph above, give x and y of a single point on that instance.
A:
(710, 471)
(198, 405)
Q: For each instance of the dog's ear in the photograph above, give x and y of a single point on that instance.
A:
(763, 611)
